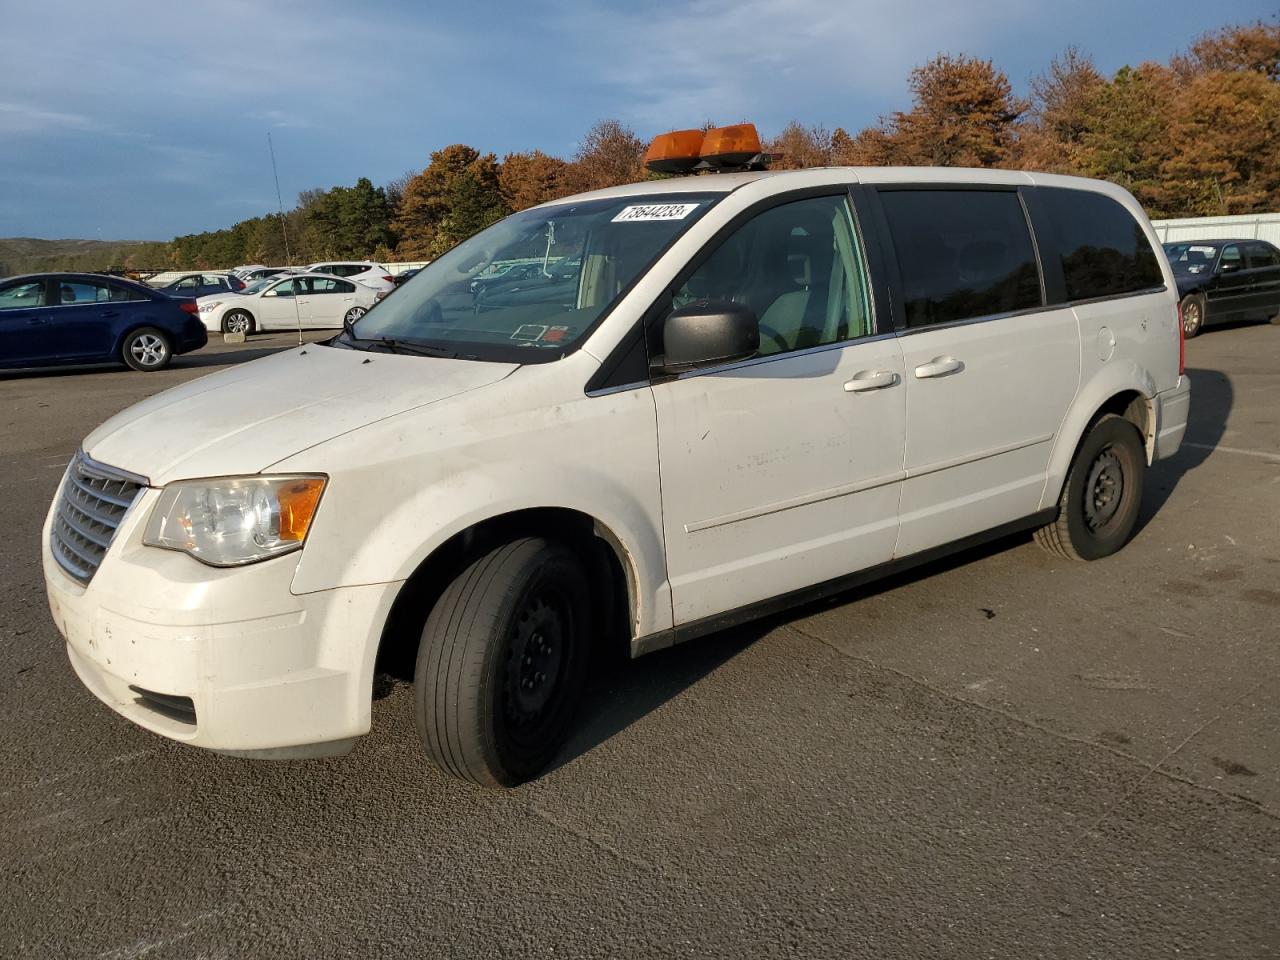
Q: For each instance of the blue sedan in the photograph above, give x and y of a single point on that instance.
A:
(55, 318)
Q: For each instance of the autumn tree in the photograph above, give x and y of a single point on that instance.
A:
(1253, 47)
(457, 195)
(609, 154)
(1226, 126)
(963, 114)
(528, 179)
(1055, 121)
(801, 147)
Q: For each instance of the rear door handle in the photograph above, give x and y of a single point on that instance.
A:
(938, 367)
(109, 314)
(870, 380)
(36, 321)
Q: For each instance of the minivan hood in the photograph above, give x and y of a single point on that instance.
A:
(242, 420)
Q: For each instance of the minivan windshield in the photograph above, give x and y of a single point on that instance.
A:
(575, 260)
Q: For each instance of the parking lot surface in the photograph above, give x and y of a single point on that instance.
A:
(1000, 755)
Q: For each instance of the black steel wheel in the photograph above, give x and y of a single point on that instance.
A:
(1099, 505)
(502, 661)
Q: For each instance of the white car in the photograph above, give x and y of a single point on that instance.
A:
(285, 303)
(758, 389)
(373, 275)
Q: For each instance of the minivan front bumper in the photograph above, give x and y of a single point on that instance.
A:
(1171, 408)
(226, 659)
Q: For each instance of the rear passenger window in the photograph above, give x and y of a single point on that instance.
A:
(1104, 251)
(1262, 255)
(961, 253)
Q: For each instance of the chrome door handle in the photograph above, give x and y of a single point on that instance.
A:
(36, 321)
(938, 367)
(870, 380)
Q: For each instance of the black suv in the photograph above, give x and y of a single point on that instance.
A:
(1220, 280)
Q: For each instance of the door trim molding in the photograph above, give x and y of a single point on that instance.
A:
(832, 493)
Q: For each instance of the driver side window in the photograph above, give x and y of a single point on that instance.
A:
(799, 267)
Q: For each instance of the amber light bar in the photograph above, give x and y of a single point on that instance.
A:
(735, 147)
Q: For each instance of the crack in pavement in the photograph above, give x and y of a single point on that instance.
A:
(1150, 768)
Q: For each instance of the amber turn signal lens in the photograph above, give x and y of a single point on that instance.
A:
(731, 146)
(298, 499)
(674, 152)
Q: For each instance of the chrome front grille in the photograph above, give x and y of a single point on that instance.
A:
(93, 501)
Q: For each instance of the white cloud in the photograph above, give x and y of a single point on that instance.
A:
(21, 118)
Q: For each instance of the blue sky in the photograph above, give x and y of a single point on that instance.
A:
(139, 120)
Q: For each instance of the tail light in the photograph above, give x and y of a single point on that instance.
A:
(188, 306)
(389, 279)
(1182, 341)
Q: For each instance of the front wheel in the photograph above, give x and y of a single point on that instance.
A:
(1098, 509)
(1193, 308)
(146, 349)
(502, 662)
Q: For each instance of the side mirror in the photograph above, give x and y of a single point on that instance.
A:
(705, 332)
(1228, 267)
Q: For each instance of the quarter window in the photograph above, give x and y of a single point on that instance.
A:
(328, 285)
(1262, 255)
(961, 254)
(22, 296)
(1104, 251)
(799, 267)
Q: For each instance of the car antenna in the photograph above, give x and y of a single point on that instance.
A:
(284, 232)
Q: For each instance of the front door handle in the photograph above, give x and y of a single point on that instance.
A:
(938, 367)
(36, 321)
(110, 314)
(870, 380)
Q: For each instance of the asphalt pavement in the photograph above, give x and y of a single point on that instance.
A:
(1000, 755)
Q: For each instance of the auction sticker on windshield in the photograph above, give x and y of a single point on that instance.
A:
(655, 211)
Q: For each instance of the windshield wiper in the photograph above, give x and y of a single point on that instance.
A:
(392, 345)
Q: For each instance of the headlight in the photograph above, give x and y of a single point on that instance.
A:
(234, 520)
(210, 307)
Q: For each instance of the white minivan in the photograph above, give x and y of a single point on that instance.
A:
(752, 390)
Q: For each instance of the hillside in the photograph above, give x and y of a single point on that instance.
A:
(29, 255)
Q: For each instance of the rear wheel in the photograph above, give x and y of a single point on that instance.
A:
(146, 349)
(355, 313)
(238, 321)
(1193, 308)
(501, 664)
(1098, 509)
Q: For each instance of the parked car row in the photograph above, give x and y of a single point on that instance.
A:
(1224, 280)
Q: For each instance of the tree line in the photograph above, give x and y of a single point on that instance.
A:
(1196, 136)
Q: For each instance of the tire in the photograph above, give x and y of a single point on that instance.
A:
(502, 663)
(1111, 467)
(355, 313)
(146, 349)
(238, 321)
(1193, 310)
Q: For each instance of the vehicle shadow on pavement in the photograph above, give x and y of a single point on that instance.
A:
(621, 692)
(1212, 398)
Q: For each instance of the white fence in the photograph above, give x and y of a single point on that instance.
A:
(1252, 226)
